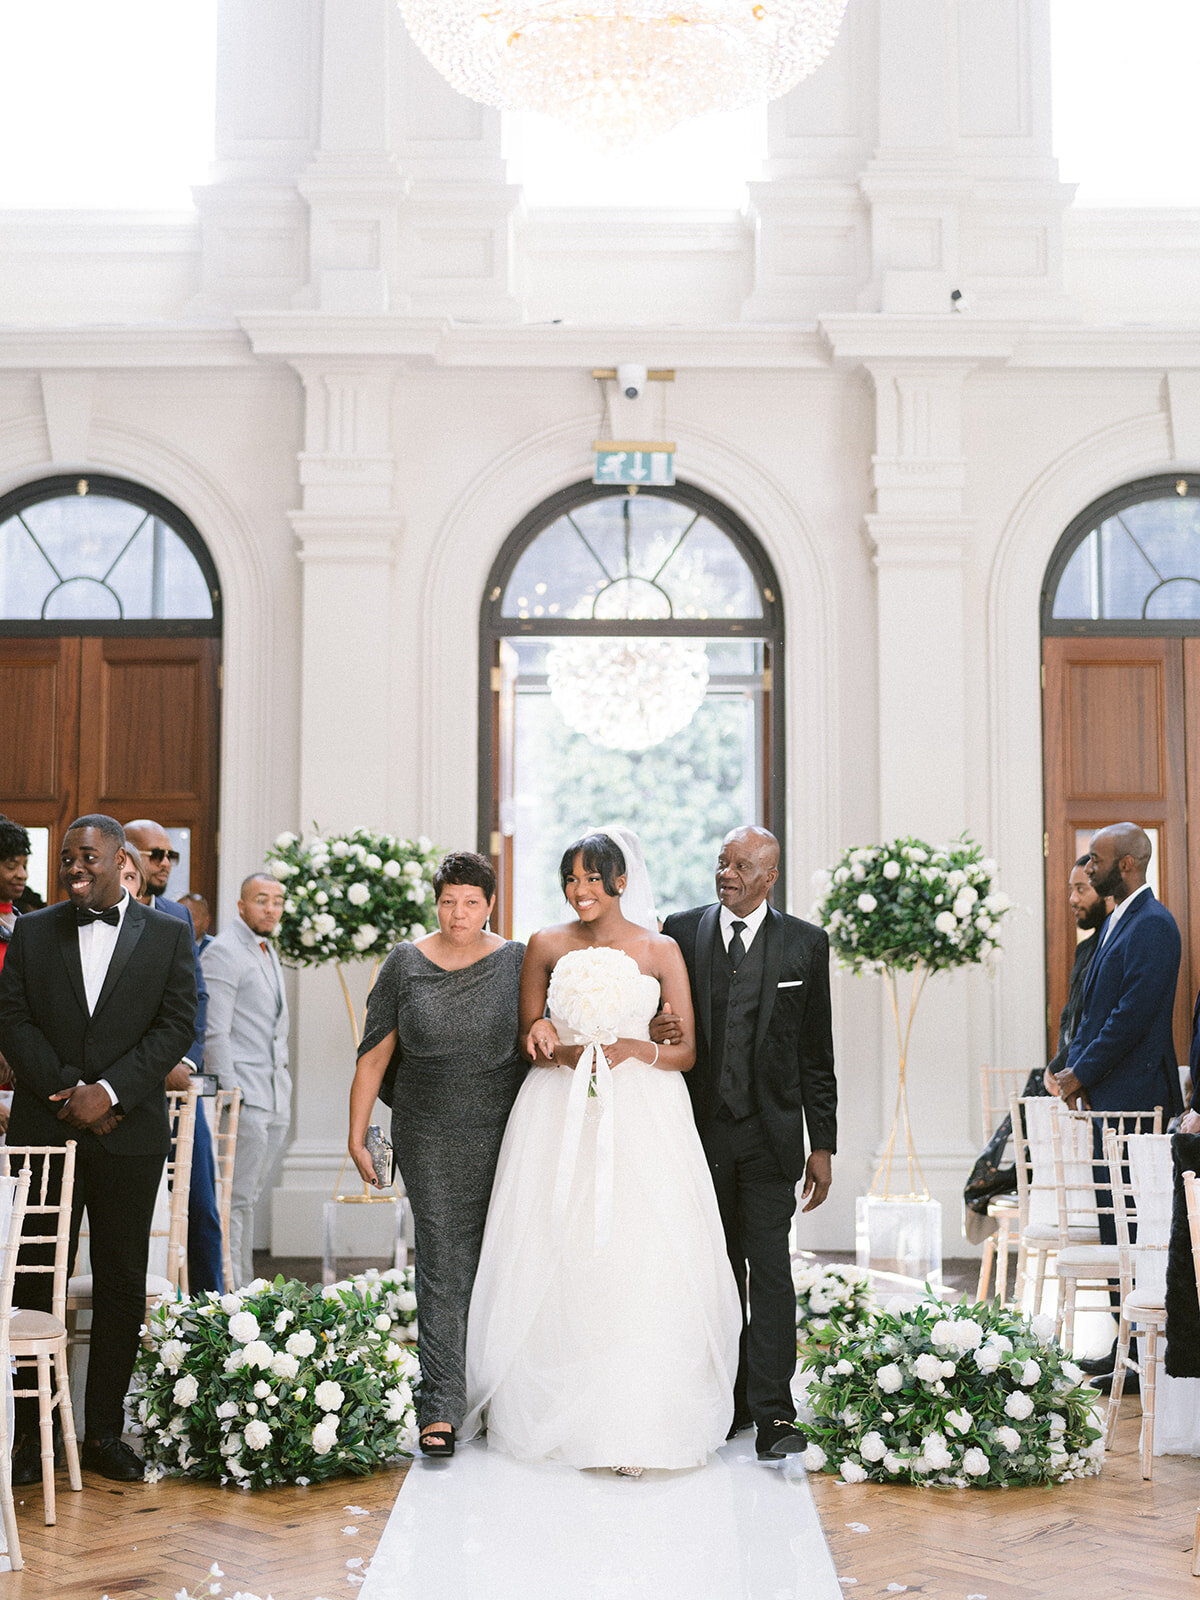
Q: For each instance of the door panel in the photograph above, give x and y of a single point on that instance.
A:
(1116, 740)
(126, 726)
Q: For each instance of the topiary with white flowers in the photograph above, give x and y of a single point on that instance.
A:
(280, 1382)
(352, 896)
(970, 1396)
(905, 905)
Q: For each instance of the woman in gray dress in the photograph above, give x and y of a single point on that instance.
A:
(442, 1025)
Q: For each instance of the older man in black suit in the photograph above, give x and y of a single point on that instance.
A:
(97, 1004)
(764, 1067)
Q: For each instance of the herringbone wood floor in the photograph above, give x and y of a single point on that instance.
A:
(1108, 1538)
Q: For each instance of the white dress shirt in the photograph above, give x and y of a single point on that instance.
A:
(1118, 911)
(97, 942)
(753, 920)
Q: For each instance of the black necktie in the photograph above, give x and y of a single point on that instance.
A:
(737, 950)
(86, 918)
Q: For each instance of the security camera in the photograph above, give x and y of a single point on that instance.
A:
(631, 379)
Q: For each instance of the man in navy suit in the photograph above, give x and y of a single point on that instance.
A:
(1122, 1056)
(205, 1270)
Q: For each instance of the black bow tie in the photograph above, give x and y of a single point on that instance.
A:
(86, 918)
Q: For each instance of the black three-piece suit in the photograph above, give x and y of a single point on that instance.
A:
(141, 1027)
(764, 1068)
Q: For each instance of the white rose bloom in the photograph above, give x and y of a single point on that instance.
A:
(231, 1444)
(227, 1409)
(282, 870)
(172, 1353)
(853, 1473)
(358, 894)
(416, 931)
(282, 1320)
(1058, 1424)
(231, 1304)
(997, 902)
(321, 898)
(373, 861)
(1043, 1328)
(258, 1435)
(1008, 1439)
(324, 924)
(975, 1463)
(235, 1361)
(365, 937)
(1030, 1373)
(892, 1462)
(424, 844)
(962, 906)
(890, 1378)
(842, 875)
(259, 1354)
(308, 938)
(185, 1391)
(866, 902)
(934, 1453)
(284, 841)
(243, 1327)
(891, 870)
(1071, 1372)
(928, 1368)
(960, 1421)
(301, 1344)
(383, 1322)
(987, 1358)
(1018, 1406)
(872, 1447)
(340, 849)
(262, 1389)
(329, 1395)
(391, 869)
(323, 1439)
(945, 922)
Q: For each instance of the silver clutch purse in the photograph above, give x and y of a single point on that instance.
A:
(379, 1149)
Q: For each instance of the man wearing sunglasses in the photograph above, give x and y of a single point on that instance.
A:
(204, 1222)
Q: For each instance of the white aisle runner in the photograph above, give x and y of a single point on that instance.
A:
(484, 1527)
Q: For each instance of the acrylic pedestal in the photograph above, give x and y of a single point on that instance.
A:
(358, 1227)
(900, 1234)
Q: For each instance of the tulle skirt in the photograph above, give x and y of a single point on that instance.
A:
(611, 1345)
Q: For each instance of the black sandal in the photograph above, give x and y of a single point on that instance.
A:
(437, 1441)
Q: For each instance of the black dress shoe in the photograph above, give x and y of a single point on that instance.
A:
(1103, 1383)
(112, 1458)
(778, 1439)
(27, 1460)
(1097, 1366)
(741, 1421)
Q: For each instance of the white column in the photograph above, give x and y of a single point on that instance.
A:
(348, 539)
(252, 220)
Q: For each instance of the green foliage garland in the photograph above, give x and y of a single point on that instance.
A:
(968, 1396)
(279, 1383)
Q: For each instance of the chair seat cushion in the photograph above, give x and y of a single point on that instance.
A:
(80, 1288)
(34, 1325)
(1144, 1305)
(1088, 1261)
(1047, 1233)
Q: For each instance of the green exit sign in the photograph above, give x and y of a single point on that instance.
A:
(634, 462)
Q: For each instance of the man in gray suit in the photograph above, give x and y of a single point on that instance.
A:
(246, 1046)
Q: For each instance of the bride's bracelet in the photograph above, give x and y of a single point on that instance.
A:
(654, 1062)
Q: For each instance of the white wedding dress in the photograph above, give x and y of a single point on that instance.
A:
(604, 1323)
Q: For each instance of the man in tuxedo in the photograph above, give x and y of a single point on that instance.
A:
(248, 1050)
(205, 1270)
(764, 1067)
(97, 1004)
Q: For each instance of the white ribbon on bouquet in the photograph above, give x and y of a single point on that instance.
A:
(592, 1068)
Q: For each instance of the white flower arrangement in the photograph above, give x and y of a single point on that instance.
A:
(976, 1396)
(282, 1383)
(591, 990)
(351, 897)
(890, 906)
(832, 1299)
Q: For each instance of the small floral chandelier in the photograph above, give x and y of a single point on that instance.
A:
(624, 71)
(627, 694)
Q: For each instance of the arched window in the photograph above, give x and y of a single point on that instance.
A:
(631, 672)
(1130, 563)
(95, 551)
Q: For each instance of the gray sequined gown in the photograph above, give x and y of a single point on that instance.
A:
(458, 1074)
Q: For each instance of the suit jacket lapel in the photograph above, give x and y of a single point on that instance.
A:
(68, 944)
(706, 934)
(132, 925)
(772, 932)
(1119, 932)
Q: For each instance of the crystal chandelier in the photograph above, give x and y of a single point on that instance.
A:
(623, 71)
(627, 694)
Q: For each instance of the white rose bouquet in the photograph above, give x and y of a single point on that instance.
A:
(591, 990)
(279, 1383)
(968, 1396)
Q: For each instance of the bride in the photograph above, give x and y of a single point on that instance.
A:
(604, 1323)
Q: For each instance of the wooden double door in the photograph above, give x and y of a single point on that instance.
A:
(1121, 720)
(126, 725)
